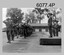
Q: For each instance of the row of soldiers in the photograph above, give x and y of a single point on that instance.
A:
(21, 29)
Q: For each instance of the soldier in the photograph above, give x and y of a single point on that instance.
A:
(20, 29)
(12, 31)
(55, 28)
(50, 16)
(25, 30)
(8, 31)
(17, 30)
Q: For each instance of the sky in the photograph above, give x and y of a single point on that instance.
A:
(25, 10)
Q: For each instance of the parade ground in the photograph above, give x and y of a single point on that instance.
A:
(29, 45)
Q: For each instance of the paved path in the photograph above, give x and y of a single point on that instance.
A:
(29, 45)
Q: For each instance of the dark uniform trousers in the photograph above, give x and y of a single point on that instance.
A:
(50, 26)
(55, 30)
(8, 36)
(50, 31)
(12, 34)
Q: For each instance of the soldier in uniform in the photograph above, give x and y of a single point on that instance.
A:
(55, 28)
(8, 31)
(50, 16)
(12, 31)
(17, 30)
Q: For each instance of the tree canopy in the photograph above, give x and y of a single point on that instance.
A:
(15, 15)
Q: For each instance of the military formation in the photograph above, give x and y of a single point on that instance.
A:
(22, 30)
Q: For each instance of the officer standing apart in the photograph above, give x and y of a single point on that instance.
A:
(50, 16)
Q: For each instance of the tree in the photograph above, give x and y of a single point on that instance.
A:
(30, 17)
(39, 13)
(15, 15)
(27, 18)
